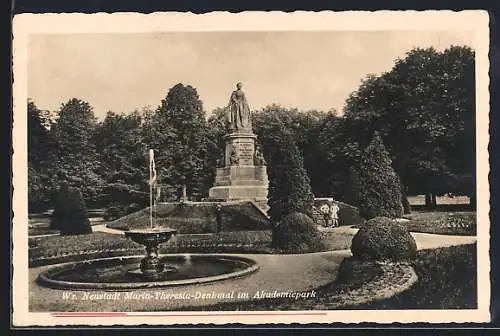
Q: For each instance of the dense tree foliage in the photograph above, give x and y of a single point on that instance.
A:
(182, 111)
(289, 185)
(305, 128)
(39, 142)
(423, 110)
(215, 145)
(123, 160)
(76, 162)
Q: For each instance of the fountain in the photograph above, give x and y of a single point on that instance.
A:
(149, 271)
(151, 266)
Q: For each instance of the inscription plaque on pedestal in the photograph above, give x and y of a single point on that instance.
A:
(245, 153)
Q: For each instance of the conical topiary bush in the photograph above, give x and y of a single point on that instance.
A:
(70, 213)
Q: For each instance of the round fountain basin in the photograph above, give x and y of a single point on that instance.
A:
(121, 272)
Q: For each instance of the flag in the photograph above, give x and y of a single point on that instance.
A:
(152, 168)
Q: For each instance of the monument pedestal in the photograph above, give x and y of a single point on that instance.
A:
(241, 179)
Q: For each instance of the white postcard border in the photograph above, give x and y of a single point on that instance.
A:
(25, 24)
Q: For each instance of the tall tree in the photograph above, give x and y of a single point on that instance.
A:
(338, 150)
(182, 110)
(39, 150)
(76, 162)
(424, 110)
(289, 185)
(122, 155)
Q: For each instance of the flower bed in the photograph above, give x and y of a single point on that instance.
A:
(453, 223)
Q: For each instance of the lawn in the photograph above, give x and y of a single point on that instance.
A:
(48, 250)
(41, 230)
(443, 203)
(440, 200)
(39, 225)
(446, 280)
(197, 218)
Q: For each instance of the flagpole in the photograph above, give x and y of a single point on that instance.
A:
(151, 188)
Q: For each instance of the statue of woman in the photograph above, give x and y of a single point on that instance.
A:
(238, 111)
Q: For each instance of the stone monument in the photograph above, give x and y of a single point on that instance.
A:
(244, 175)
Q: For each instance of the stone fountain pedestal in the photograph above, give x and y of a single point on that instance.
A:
(151, 266)
(244, 175)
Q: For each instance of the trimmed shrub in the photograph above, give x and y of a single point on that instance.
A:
(376, 187)
(297, 233)
(70, 213)
(383, 239)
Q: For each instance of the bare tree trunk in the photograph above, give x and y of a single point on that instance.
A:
(472, 201)
(434, 203)
(404, 200)
(428, 201)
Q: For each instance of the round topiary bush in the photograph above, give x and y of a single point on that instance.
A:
(70, 213)
(297, 233)
(383, 239)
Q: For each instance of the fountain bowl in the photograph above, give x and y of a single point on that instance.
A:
(151, 236)
(151, 266)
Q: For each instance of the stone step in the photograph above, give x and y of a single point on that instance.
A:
(228, 182)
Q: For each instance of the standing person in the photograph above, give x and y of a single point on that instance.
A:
(218, 217)
(334, 210)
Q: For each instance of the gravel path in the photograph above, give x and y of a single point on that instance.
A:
(427, 241)
(103, 228)
(424, 240)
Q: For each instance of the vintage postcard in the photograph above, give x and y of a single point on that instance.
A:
(255, 168)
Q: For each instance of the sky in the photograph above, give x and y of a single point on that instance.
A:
(306, 70)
